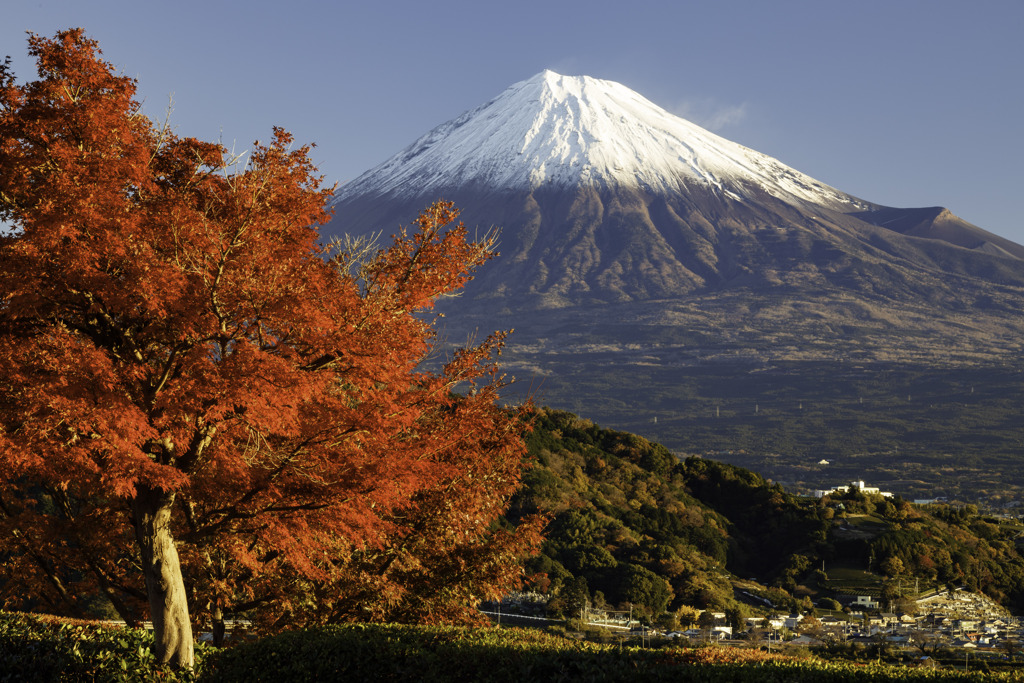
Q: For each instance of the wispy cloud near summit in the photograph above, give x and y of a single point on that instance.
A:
(710, 114)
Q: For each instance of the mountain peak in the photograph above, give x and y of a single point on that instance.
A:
(605, 197)
(571, 131)
(561, 87)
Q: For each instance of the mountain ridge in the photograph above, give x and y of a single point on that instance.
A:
(563, 247)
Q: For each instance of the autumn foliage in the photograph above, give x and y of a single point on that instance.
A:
(187, 373)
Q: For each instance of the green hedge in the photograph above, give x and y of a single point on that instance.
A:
(34, 650)
(442, 654)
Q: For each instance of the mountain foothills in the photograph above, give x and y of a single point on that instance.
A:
(658, 276)
(634, 525)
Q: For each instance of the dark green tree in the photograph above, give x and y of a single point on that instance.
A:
(576, 596)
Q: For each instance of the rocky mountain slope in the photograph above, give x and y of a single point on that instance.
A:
(603, 197)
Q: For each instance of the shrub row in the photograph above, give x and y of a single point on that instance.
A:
(447, 654)
(41, 649)
(31, 649)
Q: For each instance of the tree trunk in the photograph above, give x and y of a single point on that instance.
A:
(217, 615)
(165, 586)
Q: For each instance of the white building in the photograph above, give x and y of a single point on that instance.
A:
(865, 601)
(858, 485)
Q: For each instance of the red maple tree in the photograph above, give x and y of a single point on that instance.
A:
(205, 409)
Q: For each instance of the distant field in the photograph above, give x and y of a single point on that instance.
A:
(853, 580)
(921, 432)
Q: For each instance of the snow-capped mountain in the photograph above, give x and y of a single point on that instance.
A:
(639, 251)
(605, 198)
(563, 131)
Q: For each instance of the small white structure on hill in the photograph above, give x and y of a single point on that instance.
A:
(858, 485)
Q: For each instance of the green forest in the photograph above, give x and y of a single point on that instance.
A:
(632, 524)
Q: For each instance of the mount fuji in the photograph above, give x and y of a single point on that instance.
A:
(557, 131)
(604, 197)
(637, 247)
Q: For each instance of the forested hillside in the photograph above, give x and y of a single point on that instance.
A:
(633, 524)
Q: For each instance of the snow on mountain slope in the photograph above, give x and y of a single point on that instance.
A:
(570, 131)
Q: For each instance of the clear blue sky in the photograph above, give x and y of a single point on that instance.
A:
(901, 102)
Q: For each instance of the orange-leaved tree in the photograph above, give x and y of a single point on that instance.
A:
(205, 410)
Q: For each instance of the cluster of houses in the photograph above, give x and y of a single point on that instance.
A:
(947, 619)
(957, 620)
